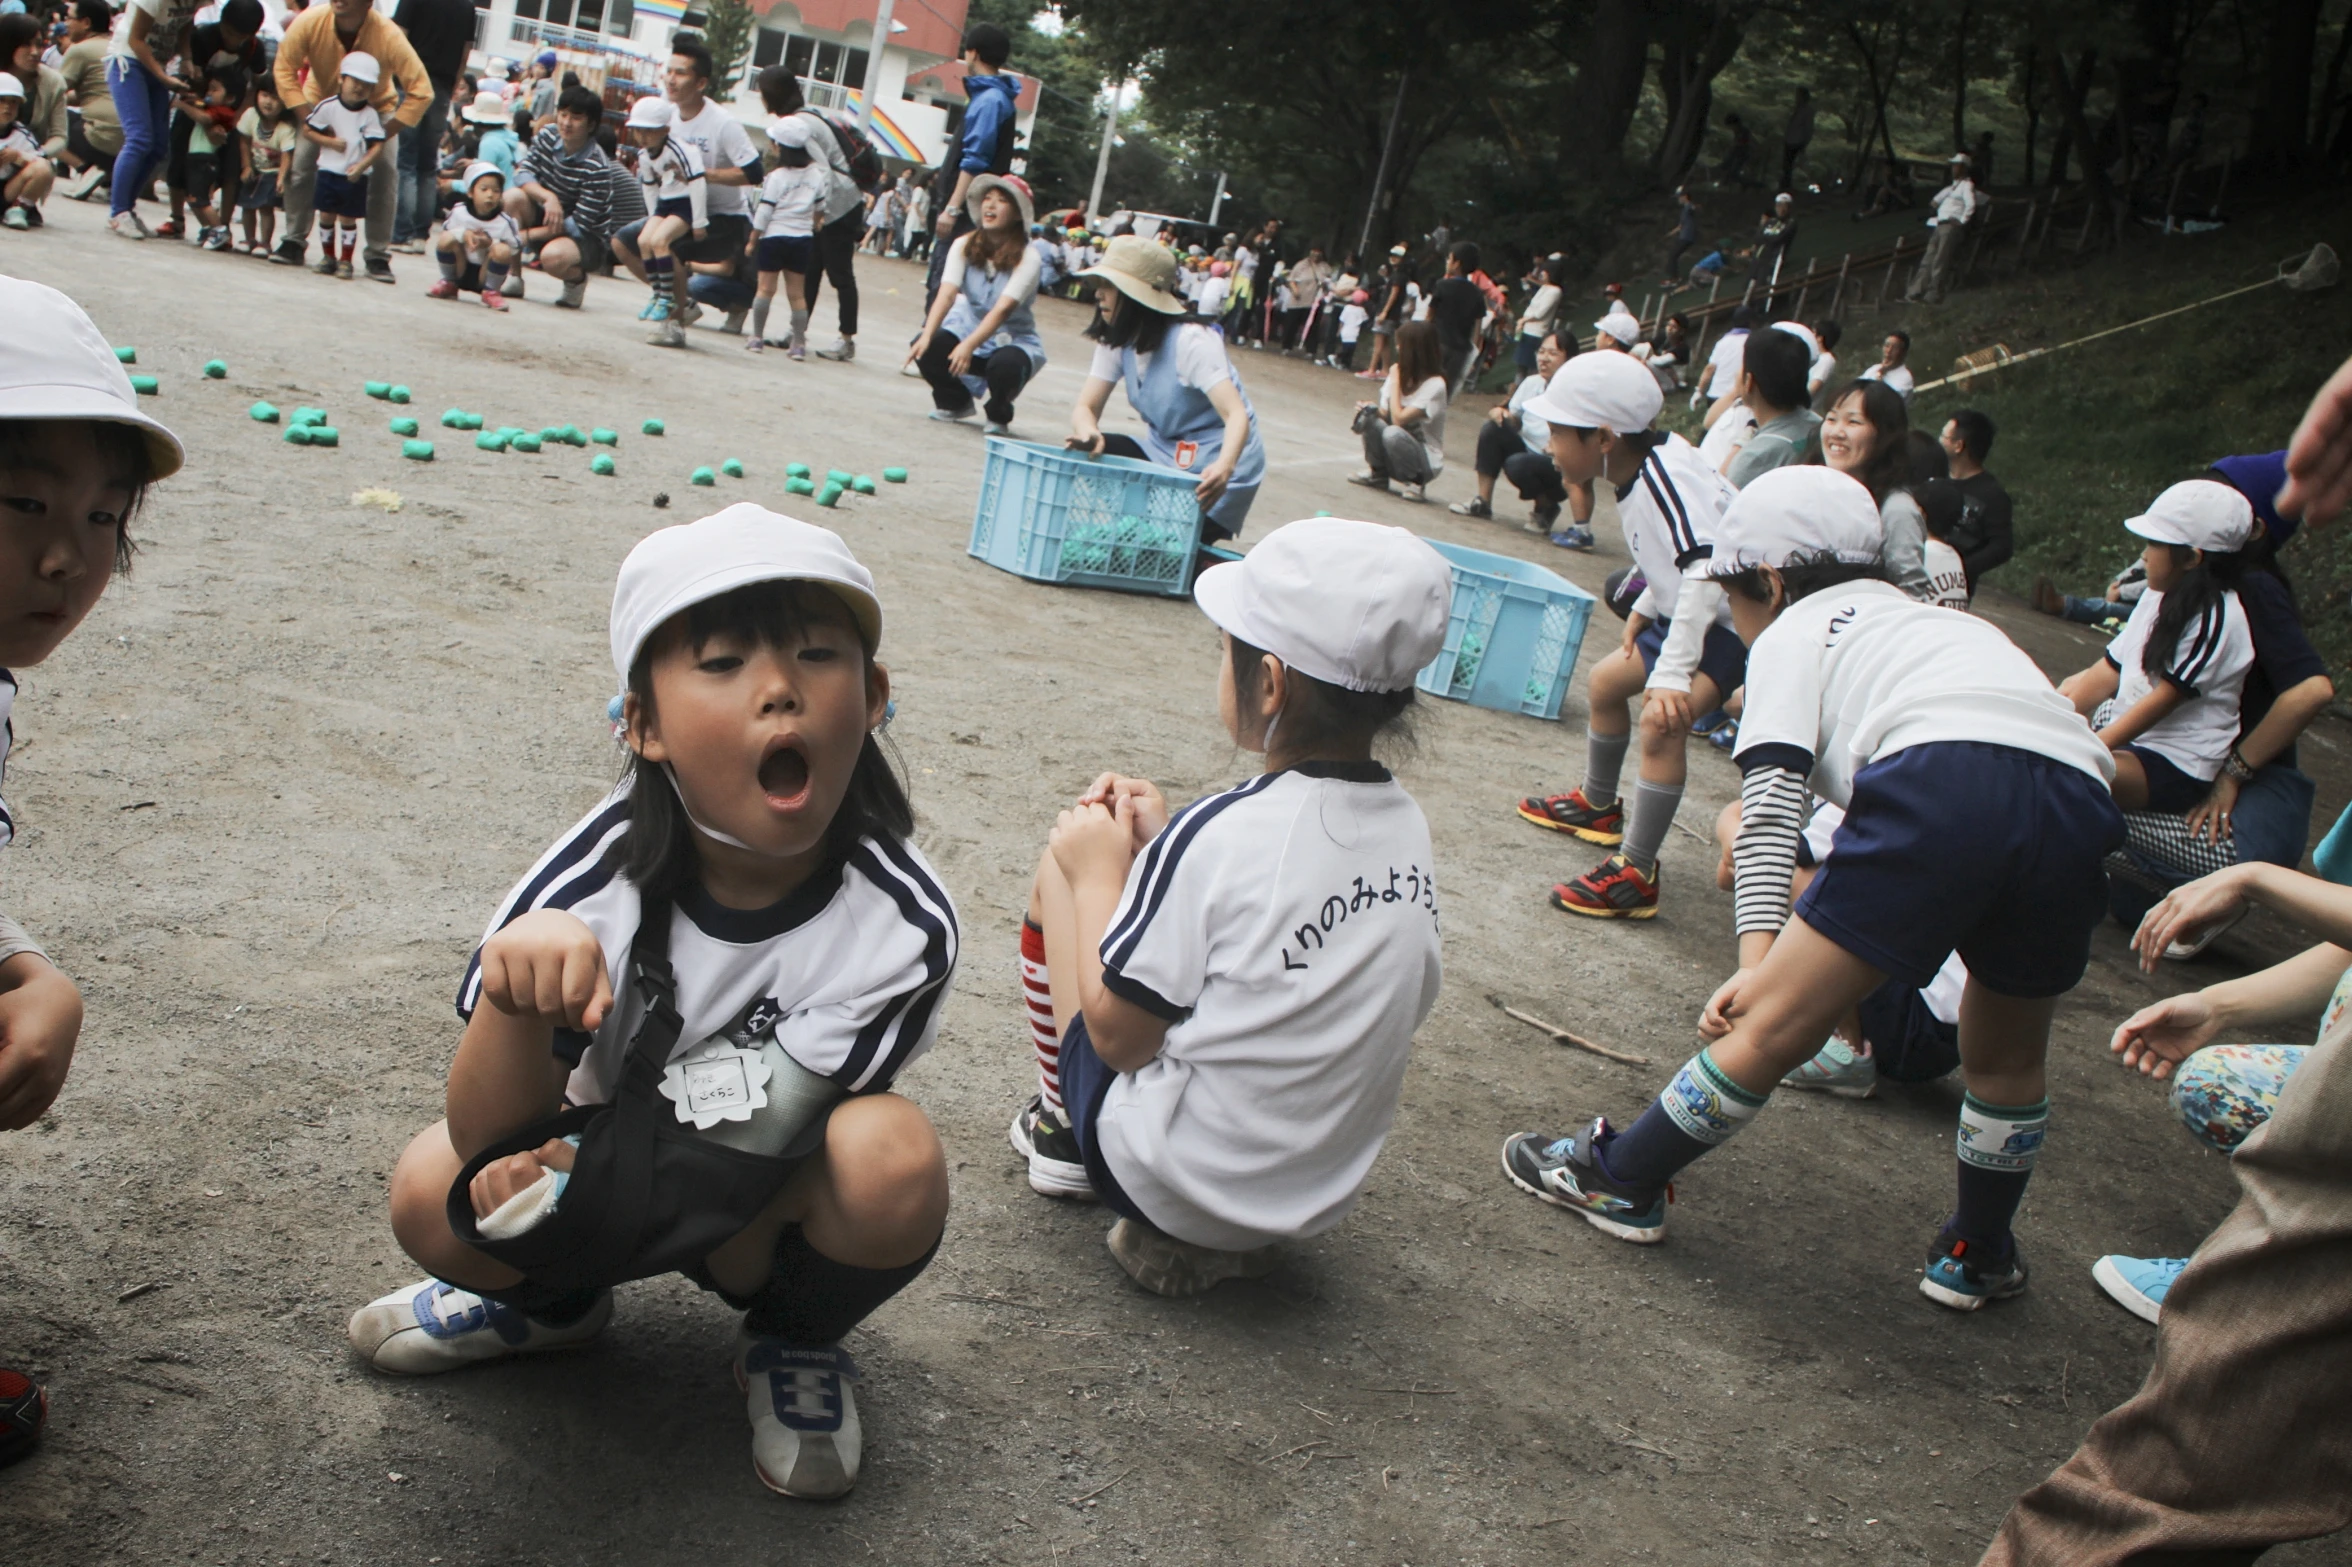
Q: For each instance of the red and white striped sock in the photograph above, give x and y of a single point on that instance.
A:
(1037, 995)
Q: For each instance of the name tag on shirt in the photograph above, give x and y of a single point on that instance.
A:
(1187, 453)
(718, 1080)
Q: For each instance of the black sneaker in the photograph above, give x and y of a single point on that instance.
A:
(1565, 1172)
(1056, 1166)
(379, 269)
(24, 1410)
(288, 254)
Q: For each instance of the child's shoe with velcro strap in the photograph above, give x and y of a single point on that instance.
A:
(1567, 1173)
(1966, 1275)
(442, 288)
(1057, 1167)
(1615, 889)
(1167, 1266)
(1573, 813)
(2138, 1284)
(1837, 1070)
(431, 1326)
(24, 1410)
(805, 1438)
(656, 309)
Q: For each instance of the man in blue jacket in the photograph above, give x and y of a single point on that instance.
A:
(985, 145)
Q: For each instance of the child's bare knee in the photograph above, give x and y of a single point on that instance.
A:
(888, 1166)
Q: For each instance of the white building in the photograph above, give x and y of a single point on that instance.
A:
(828, 44)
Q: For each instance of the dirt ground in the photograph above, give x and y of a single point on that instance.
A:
(272, 789)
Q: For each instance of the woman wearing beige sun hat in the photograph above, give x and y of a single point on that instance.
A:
(1179, 382)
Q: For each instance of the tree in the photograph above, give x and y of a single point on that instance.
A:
(727, 29)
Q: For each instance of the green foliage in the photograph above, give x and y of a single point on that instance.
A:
(727, 29)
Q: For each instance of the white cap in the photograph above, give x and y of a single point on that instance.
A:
(2203, 514)
(1804, 334)
(681, 567)
(650, 113)
(361, 66)
(1797, 513)
(789, 131)
(477, 169)
(1620, 325)
(10, 87)
(1351, 603)
(1784, 196)
(54, 364)
(1600, 392)
(487, 108)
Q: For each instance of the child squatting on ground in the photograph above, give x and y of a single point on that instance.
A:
(351, 139)
(677, 201)
(1679, 654)
(1223, 999)
(76, 458)
(477, 236)
(1977, 814)
(2165, 695)
(696, 1003)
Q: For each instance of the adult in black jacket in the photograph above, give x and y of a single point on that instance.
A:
(441, 31)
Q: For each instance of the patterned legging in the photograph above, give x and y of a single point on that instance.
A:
(2224, 1092)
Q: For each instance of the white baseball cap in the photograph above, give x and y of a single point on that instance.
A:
(650, 113)
(789, 131)
(479, 168)
(1600, 392)
(55, 364)
(1354, 604)
(678, 568)
(10, 87)
(1797, 513)
(361, 66)
(2203, 514)
(1620, 325)
(1803, 333)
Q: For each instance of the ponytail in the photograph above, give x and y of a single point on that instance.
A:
(2200, 588)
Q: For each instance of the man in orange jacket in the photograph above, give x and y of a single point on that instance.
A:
(310, 61)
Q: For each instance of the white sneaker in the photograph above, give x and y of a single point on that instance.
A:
(512, 288)
(82, 184)
(431, 1326)
(669, 333)
(15, 218)
(844, 350)
(127, 224)
(733, 325)
(805, 1437)
(992, 427)
(573, 292)
(687, 313)
(946, 415)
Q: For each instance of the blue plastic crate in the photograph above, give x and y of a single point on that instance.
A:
(1097, 522)
(1512, 636)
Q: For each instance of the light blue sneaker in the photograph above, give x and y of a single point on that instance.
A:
(2138, 1284)
(1964, 1280)
(656, 309)
(1573, 538)
(1837, 1070)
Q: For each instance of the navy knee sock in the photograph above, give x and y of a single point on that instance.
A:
(810, 1299)
(1998, 1145)
(1699, 1109)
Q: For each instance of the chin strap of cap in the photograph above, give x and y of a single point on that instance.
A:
(708, 831)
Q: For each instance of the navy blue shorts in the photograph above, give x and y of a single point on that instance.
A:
(2171, 792)
(1086, 1081)
(1985, 850)
(339, 195)
(1723, 657)
(1909, 1042)
(679, 207)
(787, 253)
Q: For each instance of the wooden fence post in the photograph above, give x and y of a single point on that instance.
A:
(2024, 235)
(1893, 261)
(1838, 297)
(2090, 216)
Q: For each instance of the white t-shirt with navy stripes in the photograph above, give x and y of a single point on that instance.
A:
(1287, 929)
(2209, 662)
(1669, 513)
(854, 963)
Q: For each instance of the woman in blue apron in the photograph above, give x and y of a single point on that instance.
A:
(980, 340)
(1179, 382)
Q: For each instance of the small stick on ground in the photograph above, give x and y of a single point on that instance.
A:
(994, 1300)
(1562, 1035)
(1098, 1490)
(2064, 1366)
(1432, 1392)
(1286, 1452)
(137, 1290)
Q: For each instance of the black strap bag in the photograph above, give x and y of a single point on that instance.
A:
(648, 1193)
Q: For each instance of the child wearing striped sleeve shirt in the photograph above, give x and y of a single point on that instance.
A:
(1977, 815)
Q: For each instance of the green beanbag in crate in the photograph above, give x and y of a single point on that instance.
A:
(1101, 522)
(1512, 634)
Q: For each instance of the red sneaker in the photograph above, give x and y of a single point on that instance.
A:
(24, 1409)
(1615, 889)
(490, 298)
(442, 288)
(1572, 813)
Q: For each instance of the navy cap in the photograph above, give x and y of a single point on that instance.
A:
(2260, 478)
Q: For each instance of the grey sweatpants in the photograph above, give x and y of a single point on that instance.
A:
(1396, 455)
(383, 195)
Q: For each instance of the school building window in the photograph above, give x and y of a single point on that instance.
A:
(616, 17)
(811, 59)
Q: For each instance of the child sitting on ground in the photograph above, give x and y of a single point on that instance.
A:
(76, 458)
(1977, 816)
(723, 966)
(677, 201)
(350, 137)
(784, 227)
(25, 176)
(1223, 1000)
(477, 236)
(265, 135)
(2165, 696)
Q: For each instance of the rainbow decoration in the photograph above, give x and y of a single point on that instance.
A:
(670, 10)
(889, 137)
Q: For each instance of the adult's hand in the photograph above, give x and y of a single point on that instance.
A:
(2211, 818)
(2157, 1038)
(959, 358)
(1211, 488)
(2189, 909)
(2319, 458)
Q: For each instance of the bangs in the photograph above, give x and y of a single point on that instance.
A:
(122, 455)
(771, 614)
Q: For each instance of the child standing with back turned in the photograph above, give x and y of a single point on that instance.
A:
(76, 458)
(1223, 999)
(1977, 815)
(696, 1003)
